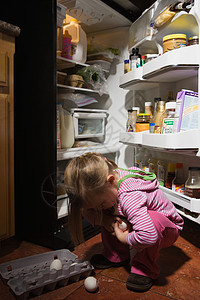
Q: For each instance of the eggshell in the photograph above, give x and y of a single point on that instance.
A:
(56, 264)
(91, 284)
(123, 226)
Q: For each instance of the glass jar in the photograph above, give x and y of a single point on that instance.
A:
(193, 40)
(192, 184)
(142, 123)
(174, 41)
(132, 117)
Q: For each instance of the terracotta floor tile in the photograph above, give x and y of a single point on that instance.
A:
(179, 277)
(111, 289)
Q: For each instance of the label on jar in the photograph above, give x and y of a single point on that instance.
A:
(178, 188)
(142, 127)
(192, 192)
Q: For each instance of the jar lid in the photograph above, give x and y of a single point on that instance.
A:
(170, 105)
(143, 115)
(148, 103)
(194, 168)
(174, 36)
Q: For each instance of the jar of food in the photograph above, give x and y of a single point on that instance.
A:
(192, 184)
(193, 40)
(126, 66)
(174, 41)
(142, 123)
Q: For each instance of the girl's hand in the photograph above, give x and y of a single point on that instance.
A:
(119, 233)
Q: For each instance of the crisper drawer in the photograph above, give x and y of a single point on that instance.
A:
(89, 124)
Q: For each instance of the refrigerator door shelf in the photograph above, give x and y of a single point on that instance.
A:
(181, 140)
(192, 204)
(186, 206)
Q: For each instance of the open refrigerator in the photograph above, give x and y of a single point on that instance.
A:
(41, 214)
(171, 71)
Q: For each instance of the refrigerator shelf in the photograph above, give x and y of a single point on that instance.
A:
(192, 204)
(74, 152)
(77, 89)
(171, 66)
(65, 63)
(181, 140)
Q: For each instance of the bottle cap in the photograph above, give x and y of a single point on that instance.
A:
(136, 108)
(170, 105)
(148, 103)
(194, 168)
(135, 50)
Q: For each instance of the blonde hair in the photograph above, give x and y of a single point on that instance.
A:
(85, 176)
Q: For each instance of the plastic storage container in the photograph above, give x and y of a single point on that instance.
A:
(78, 42)
(174, 41)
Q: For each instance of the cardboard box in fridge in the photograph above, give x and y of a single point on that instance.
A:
(186, 116)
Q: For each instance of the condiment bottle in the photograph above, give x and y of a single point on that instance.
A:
(142, 60)
(152, 120)
(159, 116)
(126, 66)
(132, 117)
(192, 184)
(161, 173)
(179, 180)
(134, 59)
(142, 123)
(153, 166)
(170, 175)
(168, 122)
(149, 109)
(66, 48)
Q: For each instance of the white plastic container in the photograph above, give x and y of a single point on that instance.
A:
(78, 42)
(66, 128)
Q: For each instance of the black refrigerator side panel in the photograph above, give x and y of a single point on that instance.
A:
(35, 117)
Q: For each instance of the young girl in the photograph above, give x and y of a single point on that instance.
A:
(105, 195)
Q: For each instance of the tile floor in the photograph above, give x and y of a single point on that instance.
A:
(179, 277)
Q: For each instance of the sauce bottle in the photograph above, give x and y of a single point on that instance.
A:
(132, 117)
(135, 59)
(170, 175)
(178, 181)
(159, 116)
(192, 184)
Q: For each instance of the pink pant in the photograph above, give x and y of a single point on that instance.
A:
(144, 262)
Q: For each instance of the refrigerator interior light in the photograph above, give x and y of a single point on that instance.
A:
(87, 12)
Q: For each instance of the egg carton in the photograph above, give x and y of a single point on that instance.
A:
(31, 276)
